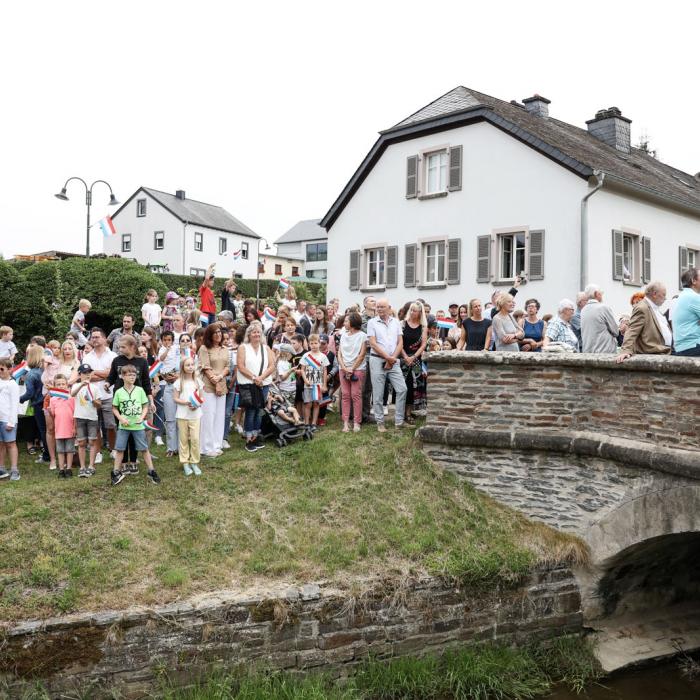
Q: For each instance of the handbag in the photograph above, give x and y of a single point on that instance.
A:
(252, 395)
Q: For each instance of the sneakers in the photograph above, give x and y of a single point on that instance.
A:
(356, 428)
(83, 473)
(4, 474)
(14, 475)
(259, 443)
(90, 471)
(69, 473)
(159, 440)
(250, 446)
(40, 460)
(187, 469)
(52, 467)
(113, 454)
(117, 477)
(239, 428)
(197, 471)
(225, 445)
(62, 474)
(381, 428)
(98, 458)
(130, 469)
(153, 476)
(386, 410)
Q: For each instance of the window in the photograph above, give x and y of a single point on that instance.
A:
(631, 257)
(629, 268)
(158, 240)
(197, 272)
(199, 242)
(511, 247)
(316, 252)
(295, 271)
(223, 243)
(140, 207)
(244, 251)
(316, 274)
(436, 172)
(278, 269)
(126, 243)
(693, 258)
(434, 256)
(375, 267)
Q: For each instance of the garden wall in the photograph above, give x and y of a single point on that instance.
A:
(294, 629)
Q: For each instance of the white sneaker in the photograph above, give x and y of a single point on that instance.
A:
(225, 445)
(113, 454)
(386, 410)
(159, 440)
(239, 428)
(98, 458)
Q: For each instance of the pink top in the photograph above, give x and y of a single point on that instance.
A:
(51, 365)
(62, 412)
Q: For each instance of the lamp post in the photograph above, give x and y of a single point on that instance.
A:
(88, 202)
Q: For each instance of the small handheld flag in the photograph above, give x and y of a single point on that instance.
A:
(19, 371)
(150, 425)
(107, 226)
(59, 393)
(196, 400)
(284, 283)
(269, 315)
(204, 318)
(316, 393)
(156, 367)
(446, 323)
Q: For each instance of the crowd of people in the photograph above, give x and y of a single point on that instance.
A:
(189, 376)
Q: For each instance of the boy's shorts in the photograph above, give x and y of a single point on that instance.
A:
(7, 435)
(308, 395)
(123, 439)
(86, 429)
(65, 445)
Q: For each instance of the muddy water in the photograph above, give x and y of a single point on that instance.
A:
(661, 682)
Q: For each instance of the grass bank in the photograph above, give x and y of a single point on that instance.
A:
(341, 506)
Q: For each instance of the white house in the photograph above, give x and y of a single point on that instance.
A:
(470, 191)
(308, 241)
(184, 235)
(275, 267)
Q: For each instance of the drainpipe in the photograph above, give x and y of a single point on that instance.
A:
(600, 177)
(184, 236)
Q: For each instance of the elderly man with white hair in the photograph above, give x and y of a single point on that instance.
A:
(599, 328)
(559, 332)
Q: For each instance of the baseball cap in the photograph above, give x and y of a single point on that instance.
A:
(323, 338)
(285, 347)
(453, 305)
(84, 369)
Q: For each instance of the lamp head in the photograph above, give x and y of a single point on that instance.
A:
(112, 200)
(62, 195)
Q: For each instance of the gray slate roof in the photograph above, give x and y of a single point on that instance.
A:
(307, 230)
(191, 211)
(569, 145)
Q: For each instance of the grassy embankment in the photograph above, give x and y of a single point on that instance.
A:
(344, 505)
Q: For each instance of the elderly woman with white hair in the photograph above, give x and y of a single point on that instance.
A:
(506, 331)
(559, 330)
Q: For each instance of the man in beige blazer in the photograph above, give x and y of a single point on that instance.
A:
(648, 332)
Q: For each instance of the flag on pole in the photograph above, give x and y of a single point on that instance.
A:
(196, 400)
(19, 371)
(446, 323)
(107, 226)
(269, 315)
(284, 283)
(59, 393)
(156, 367)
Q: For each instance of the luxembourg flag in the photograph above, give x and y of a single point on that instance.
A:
(284, 283)
(150, 425)
(316, 394)
(196, 400)
(204, 318)
(269, 315)
(19, 371)
(59, 393)
(446, 323)
(107, 226)
(236, 254)
(311, 361)
(186, 353)
(156, 367)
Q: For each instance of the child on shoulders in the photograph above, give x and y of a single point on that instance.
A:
(78, 323)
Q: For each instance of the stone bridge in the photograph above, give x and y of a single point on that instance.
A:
(608, 452)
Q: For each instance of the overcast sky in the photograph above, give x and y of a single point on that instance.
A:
(267, 108)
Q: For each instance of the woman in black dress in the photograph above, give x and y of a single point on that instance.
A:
(476, 330)
(415, 337)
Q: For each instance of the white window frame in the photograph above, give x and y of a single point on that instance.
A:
(197, 272)
(695, 253)
(141, 207)
(634, 238)
(199, 242)
(423, 248)
(159, 236)
(244, 250)
(497, 237)
(366, 262)
(126, 243)
(223, 245)
(423, 161)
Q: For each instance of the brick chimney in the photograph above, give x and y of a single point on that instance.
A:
(537, 105)
(612, 128)
(180, 194)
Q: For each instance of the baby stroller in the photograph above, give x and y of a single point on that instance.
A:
(280, 430)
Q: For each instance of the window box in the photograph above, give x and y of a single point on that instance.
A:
(278, 269)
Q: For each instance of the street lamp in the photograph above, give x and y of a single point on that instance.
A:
(88, 202)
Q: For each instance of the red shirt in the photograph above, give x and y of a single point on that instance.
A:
(208, 302)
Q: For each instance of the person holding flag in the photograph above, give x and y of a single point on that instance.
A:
(188, 396)
(290, 296)
(207, 302)
(314, 365)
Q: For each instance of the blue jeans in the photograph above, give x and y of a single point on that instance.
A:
(230, 398)
(690, 352)
(253, 418)
(169, 409)
(380, 375)
(159, 420)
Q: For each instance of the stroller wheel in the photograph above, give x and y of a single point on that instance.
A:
(308, 435)
(281, 442)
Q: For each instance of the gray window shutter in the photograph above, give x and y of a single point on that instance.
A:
(411, 177)
(682, 263)
(617, 261)
(646, 259)
(454, 253)
(354, 270)
(455, 179)
(536, 256)
(409, 268)
(483, 259)
(392, 266)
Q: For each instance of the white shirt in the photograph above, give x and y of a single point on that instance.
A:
(9, 401)
(171, 361)
(100, 363)
(661, 320)
(351, 345)
(253, 361)
(84, 407)
(152, 313)
(186, 389)
(7, 348)
(386, 332)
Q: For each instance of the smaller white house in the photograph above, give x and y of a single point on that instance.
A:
(275, 267)
(309, 242)
(170, 232)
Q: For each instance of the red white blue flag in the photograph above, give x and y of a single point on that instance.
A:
(284, 283)
(59, 393)
(107, 226)
(156, 367)
(196, 400)
(446, 323)
(19, 371)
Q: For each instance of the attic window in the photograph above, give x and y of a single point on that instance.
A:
(685, 182)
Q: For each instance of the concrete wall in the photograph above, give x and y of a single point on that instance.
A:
(294, 628)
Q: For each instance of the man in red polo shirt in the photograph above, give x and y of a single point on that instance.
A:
(206, 296)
